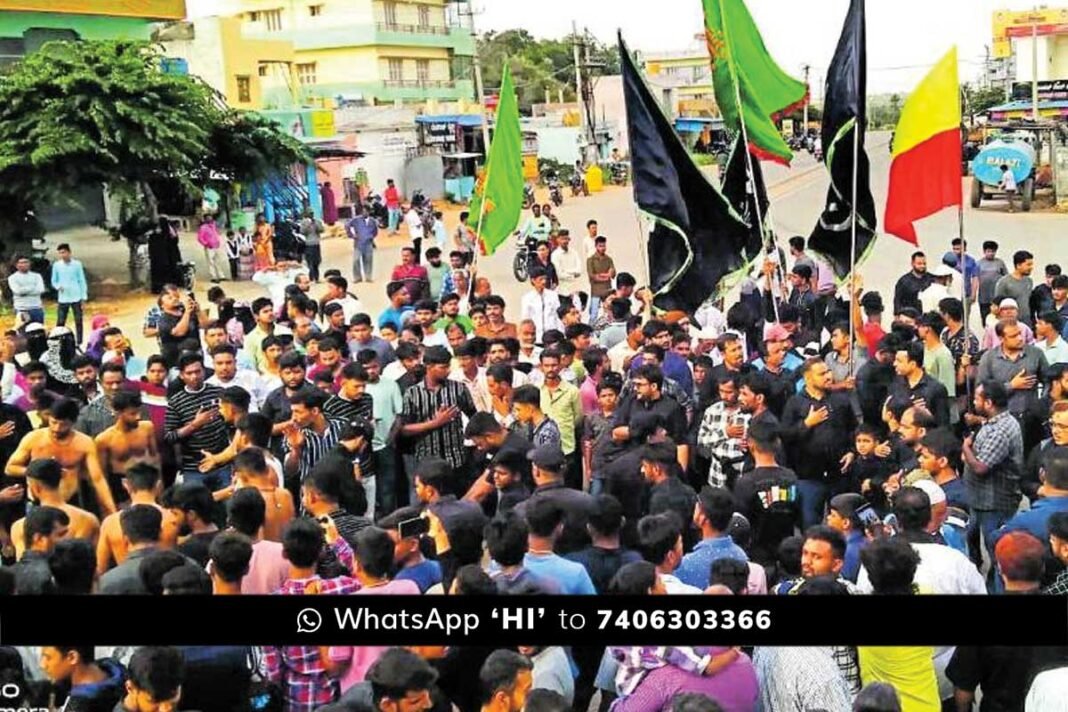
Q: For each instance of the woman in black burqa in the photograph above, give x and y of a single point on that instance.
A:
(164, 257)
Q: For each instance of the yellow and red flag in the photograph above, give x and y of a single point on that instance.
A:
(925, 174)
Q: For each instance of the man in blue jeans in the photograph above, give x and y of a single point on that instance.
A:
(68, 279)
(993, 460)
(817, 428)
(26, 290)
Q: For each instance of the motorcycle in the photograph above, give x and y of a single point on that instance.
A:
(524, 252)
(620, 173)
(528, 196)
(556, 193)
(376, 207)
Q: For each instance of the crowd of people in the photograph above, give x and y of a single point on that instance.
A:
(799, 442)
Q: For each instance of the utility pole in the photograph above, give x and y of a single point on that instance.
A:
(1034, 65)
(579, 95)
(479, 88)
(808, 99)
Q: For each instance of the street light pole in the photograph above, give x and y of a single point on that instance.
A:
(1034, 65)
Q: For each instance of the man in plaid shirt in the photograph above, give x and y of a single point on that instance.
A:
(299, 667)
(993, 461)
(721, 433)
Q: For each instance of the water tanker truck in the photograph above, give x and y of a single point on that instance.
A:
(1017, 151)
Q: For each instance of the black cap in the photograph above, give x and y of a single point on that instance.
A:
(548, 457)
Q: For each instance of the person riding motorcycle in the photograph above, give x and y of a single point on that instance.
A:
(537, 225)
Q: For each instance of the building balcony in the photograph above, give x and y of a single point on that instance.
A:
(412, 29)
(419, 83)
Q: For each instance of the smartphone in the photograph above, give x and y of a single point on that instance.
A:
(414, 527)
(868, 517)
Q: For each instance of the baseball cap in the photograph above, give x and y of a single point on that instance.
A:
(547, 457)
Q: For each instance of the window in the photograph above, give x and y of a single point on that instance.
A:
(306, 73)
(424, 16)
(244, 89)
(254, 16)
(273, 20)
(263, 69)
(422, 70)
(390, 9)
(396, 70)
(315, 10)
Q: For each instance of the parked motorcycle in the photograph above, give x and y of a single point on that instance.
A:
(620, 173)
(377, 208)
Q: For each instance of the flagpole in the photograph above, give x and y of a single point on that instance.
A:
(749, 166)
(853, 242)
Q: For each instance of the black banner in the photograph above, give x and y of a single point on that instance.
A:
(550, 620)
(697, 240)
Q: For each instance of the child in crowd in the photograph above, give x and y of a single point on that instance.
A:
(868, 472)
(594, 426)
(636, 661)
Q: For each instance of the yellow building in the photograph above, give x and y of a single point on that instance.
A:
(371, 51)
(240, 68)
(685, 80)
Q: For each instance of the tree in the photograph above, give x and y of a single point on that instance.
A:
(975, 101)
(95, 113)
(538, 66)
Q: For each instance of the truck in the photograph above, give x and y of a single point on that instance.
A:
(1017, 150)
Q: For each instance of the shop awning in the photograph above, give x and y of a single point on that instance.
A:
(693, 124)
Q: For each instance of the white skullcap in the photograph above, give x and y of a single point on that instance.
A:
(936, 494)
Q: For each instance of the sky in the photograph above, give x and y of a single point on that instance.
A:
(905, 37)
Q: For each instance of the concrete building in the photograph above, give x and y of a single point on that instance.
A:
(683, 80)
(367, 51)
(1029, 46)
(25, 25)
(239, 68)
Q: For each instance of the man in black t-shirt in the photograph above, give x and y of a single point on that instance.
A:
(767, 495)
(180, 321)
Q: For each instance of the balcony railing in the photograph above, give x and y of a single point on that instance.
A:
(420, 84)
(413, 29)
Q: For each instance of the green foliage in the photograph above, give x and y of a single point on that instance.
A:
(884, 110)
(538, 65)
(975, 100)
(89, 113)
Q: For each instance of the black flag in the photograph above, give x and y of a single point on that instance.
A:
(697, 239)
(845, 114)
(745, 197)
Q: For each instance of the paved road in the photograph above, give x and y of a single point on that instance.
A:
(797, 198)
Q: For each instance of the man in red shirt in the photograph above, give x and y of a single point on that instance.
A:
(414, 276)
(869, 331)
(393, 205)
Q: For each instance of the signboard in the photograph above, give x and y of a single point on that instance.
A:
(322, 123)
(1051, 90)
(439, 133)
(1008, 25)
(147, 9)
(174, 65)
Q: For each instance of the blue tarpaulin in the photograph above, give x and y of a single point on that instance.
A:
(461, 119)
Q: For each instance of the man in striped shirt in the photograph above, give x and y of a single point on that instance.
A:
(192, 422)
(309, 435)
(431, 412)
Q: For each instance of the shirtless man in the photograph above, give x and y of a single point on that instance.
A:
(129, 439)
(142, 481)
(44, 477)
(251, 470)
(75, 452)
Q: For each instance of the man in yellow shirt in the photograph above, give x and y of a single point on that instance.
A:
(561, 402)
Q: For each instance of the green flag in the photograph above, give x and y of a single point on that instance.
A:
(498, 198)
(742, 67)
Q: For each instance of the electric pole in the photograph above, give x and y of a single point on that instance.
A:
(808, 99)
(579, 95)
(1034, 65)
(479, 88)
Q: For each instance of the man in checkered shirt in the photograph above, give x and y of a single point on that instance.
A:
(993, 461)
(721, 433)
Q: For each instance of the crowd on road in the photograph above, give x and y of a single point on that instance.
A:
(794, 442)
